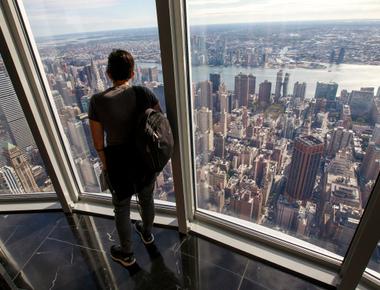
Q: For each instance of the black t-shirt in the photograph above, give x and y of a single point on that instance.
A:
(116, 109)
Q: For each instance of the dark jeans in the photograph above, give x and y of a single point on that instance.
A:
(125, 179)
(122, 214)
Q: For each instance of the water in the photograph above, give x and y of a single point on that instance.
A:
(348, 76)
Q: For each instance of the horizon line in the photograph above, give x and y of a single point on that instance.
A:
(217, 24)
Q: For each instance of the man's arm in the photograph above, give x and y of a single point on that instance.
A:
(97, 133)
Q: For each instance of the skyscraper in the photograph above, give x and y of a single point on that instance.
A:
(361, 103)
(96, 82)
(340, 59)
(9, 181)
(277, 93)
(332, 56)
(219, 145)
(17, 159)
(340, 139)
(241, 89)
(285, 85)
(304, 167)
(251, 84)
(371, 163)
(9, 105)
(215, 79)
(264, 93)
(299, 90)
(77, 137)
(153, 74)
(205, 88)
(326, 91)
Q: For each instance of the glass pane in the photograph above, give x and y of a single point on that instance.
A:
(374, 262)
(286, 115)
(21, 167)
(74, 40)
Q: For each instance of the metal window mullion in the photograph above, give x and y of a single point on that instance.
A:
(170, 17)
(24, 75)
(363, 243)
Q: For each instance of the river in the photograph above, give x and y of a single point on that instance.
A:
(348, 76)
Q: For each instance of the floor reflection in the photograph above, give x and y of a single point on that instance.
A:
(58, 251)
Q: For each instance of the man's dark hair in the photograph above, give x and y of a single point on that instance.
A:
(120, 65)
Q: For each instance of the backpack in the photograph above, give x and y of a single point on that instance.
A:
(154, 137)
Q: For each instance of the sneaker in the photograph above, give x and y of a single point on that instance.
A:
(118, 255)
(146, 238)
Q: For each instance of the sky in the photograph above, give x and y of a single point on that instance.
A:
(52, 17)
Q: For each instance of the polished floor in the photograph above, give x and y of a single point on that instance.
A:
(54, 251)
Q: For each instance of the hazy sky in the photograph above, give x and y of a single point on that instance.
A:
(49, 17)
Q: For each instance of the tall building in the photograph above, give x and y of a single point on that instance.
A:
(251, 84)
(299, 90)
(340, 139)
(219, 145)
(160, 93)
(77, 137)
(332, 56)
(277, 93)
(376, 134)
(215, 79)
(9, 181)
(17, 159)
(264, 93)
(10, 107)
(342, 52)
(96, 82)
(371, 163)
(80, 91)
(204, 120)
(241, 89)
(285, 85)
(205, 95)
(361, 103)
(153, 74)
(307, 153)
(326, 91)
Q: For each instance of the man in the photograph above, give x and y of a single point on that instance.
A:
(113, 114)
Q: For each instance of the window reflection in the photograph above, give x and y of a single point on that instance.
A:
(21, 167)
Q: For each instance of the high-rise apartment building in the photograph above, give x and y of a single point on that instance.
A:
(277, 93)
(241, 89)
(215, 79)
(342, 52)
(307, 153)
(299, 90)
(285, 85)
(264, 93)
(205, 95)
(251, 84)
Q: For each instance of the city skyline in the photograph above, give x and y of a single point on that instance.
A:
(47, 17)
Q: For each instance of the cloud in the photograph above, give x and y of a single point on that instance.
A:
(277, 10)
